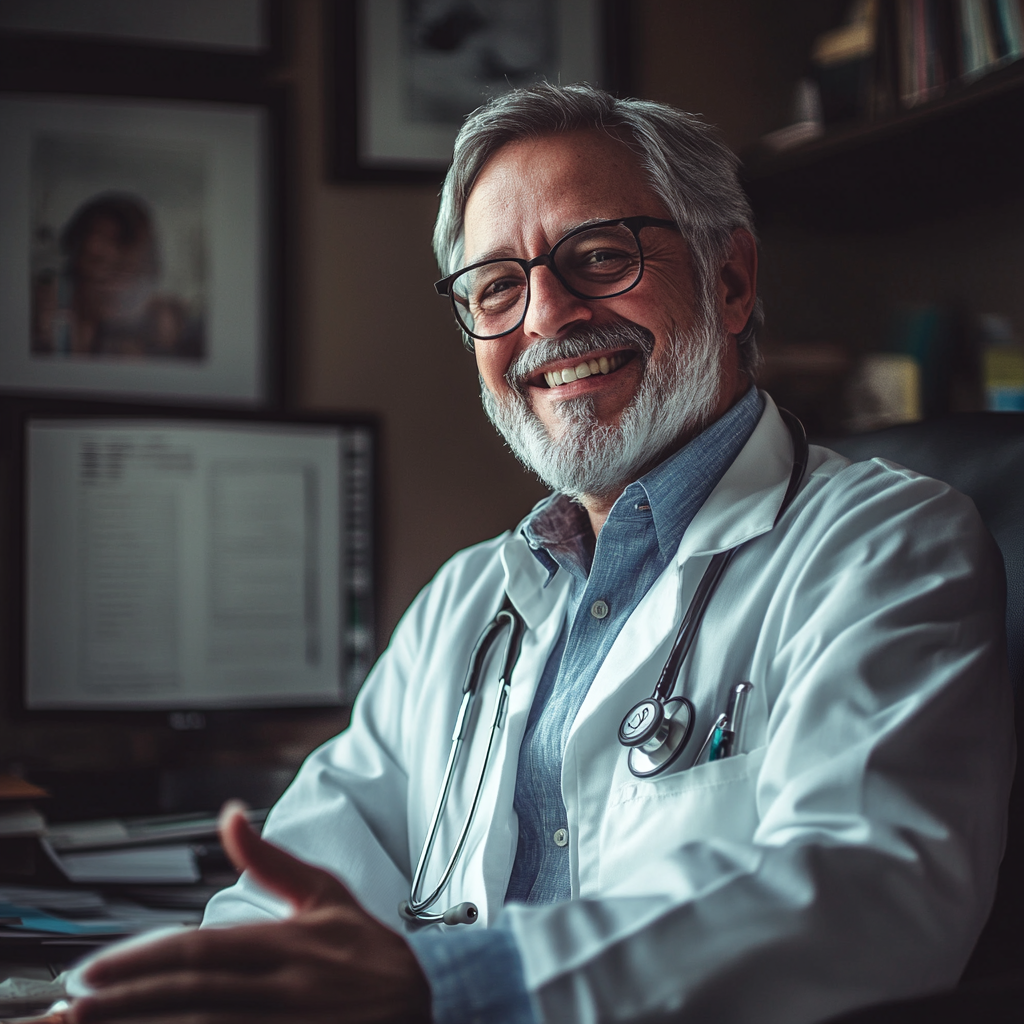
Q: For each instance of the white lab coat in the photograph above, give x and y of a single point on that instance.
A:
(847, 855)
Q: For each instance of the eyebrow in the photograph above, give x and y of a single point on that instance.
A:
(504, 253)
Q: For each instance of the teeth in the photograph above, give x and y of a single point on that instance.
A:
(605, 364)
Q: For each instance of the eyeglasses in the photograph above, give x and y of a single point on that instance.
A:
(596, 261)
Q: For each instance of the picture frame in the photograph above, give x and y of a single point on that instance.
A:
(199, 172)
(240, 26)
(401, 76)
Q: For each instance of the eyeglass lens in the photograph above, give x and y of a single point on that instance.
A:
(595, 264)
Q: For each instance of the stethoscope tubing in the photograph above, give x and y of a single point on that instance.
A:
(419, 908)
(708, 584)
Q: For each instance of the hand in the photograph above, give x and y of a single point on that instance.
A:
(329, 962)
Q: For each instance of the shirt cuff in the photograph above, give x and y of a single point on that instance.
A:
(476, 977)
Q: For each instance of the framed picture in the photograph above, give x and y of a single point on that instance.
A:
(134, 255)
(405, 73)
(240, 25)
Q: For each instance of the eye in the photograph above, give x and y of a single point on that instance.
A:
(602, 258)
(598, 261)
(495, 287)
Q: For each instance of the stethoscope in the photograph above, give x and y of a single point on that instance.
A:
(656, 731)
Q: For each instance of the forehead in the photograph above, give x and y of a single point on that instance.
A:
(531, 192)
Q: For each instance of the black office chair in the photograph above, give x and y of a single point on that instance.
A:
(982, 455)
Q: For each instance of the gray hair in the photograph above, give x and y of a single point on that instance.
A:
(688, 166)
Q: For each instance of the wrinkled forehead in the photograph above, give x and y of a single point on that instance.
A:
(531, 192)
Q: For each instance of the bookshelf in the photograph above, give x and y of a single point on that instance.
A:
(941, 157)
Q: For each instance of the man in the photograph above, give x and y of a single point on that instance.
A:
(846, 853)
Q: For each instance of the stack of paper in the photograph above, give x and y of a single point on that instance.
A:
(18, 818)
(132, 851)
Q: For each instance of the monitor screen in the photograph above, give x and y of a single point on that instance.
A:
(178, 562)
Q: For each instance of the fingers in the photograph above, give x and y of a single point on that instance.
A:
(301, 884)
(246, 948)
(170, 994)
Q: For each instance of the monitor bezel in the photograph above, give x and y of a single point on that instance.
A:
(17, 410)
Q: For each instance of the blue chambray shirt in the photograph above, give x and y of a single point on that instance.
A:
(477, 975)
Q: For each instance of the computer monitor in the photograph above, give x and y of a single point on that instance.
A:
(189, 559)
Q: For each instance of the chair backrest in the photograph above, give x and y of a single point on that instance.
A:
(981, 455)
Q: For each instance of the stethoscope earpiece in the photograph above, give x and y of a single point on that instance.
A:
(463, 913)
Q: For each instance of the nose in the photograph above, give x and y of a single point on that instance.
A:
(553, 309)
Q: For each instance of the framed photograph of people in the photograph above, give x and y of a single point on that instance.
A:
(405, 73)
(134, 250)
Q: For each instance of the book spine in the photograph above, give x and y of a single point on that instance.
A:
(998, 29)
(948, 29)
(921, 56)
(907, 64)
(973, 39)
(936, 78)
(989, 47)
(1014, 28)
(884, 94)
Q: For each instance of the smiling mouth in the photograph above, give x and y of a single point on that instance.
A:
(602, 365)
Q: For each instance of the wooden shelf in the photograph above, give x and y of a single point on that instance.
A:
(940, 158)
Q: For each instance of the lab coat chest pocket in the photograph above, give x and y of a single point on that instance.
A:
(647, 819)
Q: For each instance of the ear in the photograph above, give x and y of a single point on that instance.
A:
(737, 282)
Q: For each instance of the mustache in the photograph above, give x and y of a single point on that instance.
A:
(578, 343)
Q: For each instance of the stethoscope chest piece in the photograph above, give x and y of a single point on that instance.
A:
(656, 733)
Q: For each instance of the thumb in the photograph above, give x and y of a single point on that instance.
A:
(304, 886)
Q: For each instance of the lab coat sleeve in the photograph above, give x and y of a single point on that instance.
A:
(880, 789)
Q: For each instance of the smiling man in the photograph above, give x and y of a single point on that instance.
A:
(752, 760)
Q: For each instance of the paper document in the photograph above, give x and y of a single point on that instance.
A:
(176, 863)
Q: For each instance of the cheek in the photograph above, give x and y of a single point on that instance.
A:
(491, 364)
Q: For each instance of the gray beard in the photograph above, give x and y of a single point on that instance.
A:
(676, 399)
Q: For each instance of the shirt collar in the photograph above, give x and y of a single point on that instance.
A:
(677, 487)
(558, 527)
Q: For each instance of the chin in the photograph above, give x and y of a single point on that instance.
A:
(677, 396)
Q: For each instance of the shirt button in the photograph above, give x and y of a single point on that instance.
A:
(599, 609)
(561, 837)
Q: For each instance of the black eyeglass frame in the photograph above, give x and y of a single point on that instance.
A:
(635, 224)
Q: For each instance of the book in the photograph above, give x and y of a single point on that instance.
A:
(12, 787)
(19, 821)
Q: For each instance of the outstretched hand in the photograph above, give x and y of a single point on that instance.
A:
(329, 962)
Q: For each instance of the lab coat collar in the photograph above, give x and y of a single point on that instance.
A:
(747, 499)
(529, 586)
